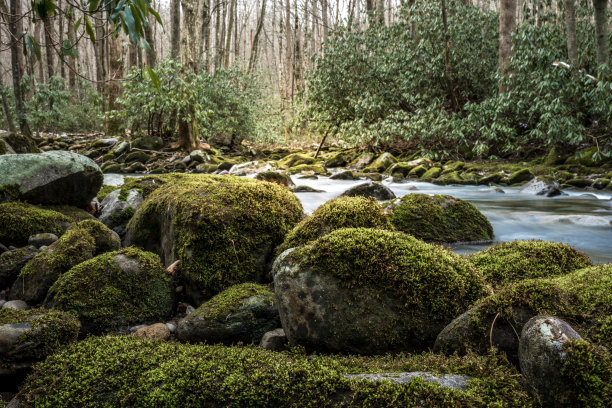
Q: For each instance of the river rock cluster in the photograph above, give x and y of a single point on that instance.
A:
(191, 288)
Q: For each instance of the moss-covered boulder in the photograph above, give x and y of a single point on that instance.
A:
(241, 313)
(223, 229)
(372, 189)
(510, 262)
(296, 159)
(316, 168)
(11, 263)
(114, 290)
(282, 179)
(118, 207)
(19, 143)
(57, 177)
(18, 221)
(439, 218)
(27, 337)
(81, 242)
(601, 183)
(431, 174)
(401, 168)
(578, 182)
(382, 163)
(75, 213)
(371, 291)
(342, 212)
(417, 171)
(582, 298)
(128, 372)
(362, 160)
(336, 160)
(454, 177)
(520, 176)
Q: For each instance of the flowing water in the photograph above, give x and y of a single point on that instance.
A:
(580, 219)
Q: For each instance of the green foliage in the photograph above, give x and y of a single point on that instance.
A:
(128, 372)
(229, 105)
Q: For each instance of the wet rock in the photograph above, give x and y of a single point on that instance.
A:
(520, 176)
(199, 156)
(370, 189)
(119, 207)
(16, 305)
(241, 313)
(453, 381)
(157, 331)
(344, 175)
(540, 187)
(57, 177)
(279, 178)
(382, 163)
(362, 160)
(337, 160)
(11, 263)
(579, 182)
(306, 189)
(542, 355)
(274, 340)
(42, 239)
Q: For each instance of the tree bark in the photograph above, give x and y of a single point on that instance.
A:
(7, 111)
(228, 39)
(115, 71)
(48, 27)
(570, 30)
(507, 25)
(324, 19)
(71, 60)
(255, 43)
(151, 55)
(175, 28)
(601, 32)
(15, 30)
(447, 62)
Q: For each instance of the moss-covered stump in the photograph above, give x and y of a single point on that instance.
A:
(241, 313)
(342, 212)
(29, 336)
(510, 262)
(128, 372)
(371, 291)
(11, 263)
(18, 221)
(81, 242)
(114, 290)
(582, 298)
(223, 229)
(439, 218)
(57, 177)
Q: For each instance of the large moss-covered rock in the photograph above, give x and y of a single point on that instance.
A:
(296, 159)
(114, 290)
(382, 163)
(367, 291)
(241, 313)
(582, 298)
(589, 157)
(11, 263)
(223, 229)
(18, 221)
(128, 372)
(56, 177)
(18, 143)
(29, 336)
(520, 176)
(343, 212)
(372, 189)
(81, 242)
(439, 218)
(510, 262)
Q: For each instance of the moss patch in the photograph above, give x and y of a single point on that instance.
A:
(520, 176)
(511, 262)
(106, 190)
(343, 212)
(77, 214)
(106, 297)
(439, 218)
(230, 300)
(296, 159)
(124, 371)
(20, 220)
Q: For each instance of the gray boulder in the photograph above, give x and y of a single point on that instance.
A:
(56, 177)
(117, 209)
(370, 189)
(453, 381)
(540, 187)
(42, 239)
(11, 263)
(542, 355)
(15, 305)
(241, 313)
(275, 340)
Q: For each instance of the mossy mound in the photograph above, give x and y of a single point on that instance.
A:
(241, 313)
(82, 241)
(223, 229)
(439, 218)
(589, 157)
(510, 262)
(336, 160)
(343, 212)
(114, 290)
(77, 214)
(281, 179)
(382, 163)
(316, 168)
(43, 332)
(520, 176)
(128, 372)
(296, 159)
(582, 298)
(20, 143)
(369, 291)
(431, 174)
(20, 220)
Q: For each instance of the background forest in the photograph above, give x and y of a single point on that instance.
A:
(470, 78)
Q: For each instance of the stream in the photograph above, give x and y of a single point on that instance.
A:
(581, 219)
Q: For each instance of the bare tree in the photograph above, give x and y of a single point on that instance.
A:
(570, 31)
(255, 42)
(601, 32)
(507, 25)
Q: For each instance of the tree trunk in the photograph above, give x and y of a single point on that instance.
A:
(507, 25)
(570, 30)
(40, 72)
(255, 43)
(324, 19)
(380, 11)
(7, 111)
(48, 27)
(175, 28)
(228, 39)
(150, 54)
(113, 88)
(61, 39)
(71, 60)
(601, 32)
(205, 43)
(15, 30)
(447, 62)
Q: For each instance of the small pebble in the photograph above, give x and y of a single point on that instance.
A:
(15, 304)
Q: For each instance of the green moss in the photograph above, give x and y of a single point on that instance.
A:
(296, 159)
(3, 148)
(342, 212)
(21, 143)
(579, 182)
(588, 371)
(382, 163)
(106, 298)
(586, 157)
(495, 178)
(75, 213)
(123, 217)
(450, 178)
(106, 190)
(129, 372)
(402, 168)
(582, 298)
(563, 175)
(111, 168)
(554, 157)
(224, 228)
(108, 156)
(601, 183)
(274, 177)
(336, 160)
(432, 173)
(9, 192)
(439, 218)
(20, 220)
(51, 331)
(427, 278)
(511, 262)
(417, 171)
(231, 299)
(316, 168)
(520, 176)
